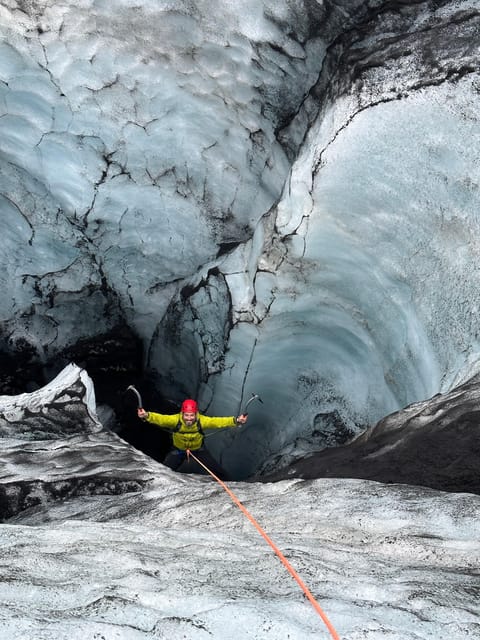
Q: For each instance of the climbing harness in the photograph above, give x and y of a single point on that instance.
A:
(277, 551)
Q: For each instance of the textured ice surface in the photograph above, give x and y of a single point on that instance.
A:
(165, 555)
(279, 198)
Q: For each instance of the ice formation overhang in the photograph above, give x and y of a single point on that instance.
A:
(275, 197)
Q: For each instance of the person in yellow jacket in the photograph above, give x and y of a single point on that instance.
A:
(187, 429)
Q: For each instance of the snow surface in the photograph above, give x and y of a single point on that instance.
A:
(172, 557)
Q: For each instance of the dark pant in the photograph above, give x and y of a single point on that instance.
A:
(176, 457)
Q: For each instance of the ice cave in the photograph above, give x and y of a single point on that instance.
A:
(217, 199)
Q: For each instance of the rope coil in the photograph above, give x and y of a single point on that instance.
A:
(277, 551)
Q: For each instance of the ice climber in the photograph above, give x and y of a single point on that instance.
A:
(187, 428)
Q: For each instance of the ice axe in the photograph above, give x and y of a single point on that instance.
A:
(255, 396)
(139, 397)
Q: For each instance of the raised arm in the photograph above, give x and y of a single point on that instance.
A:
(221, 422)
(159, 419)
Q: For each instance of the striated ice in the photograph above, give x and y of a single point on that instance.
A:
(312, 170)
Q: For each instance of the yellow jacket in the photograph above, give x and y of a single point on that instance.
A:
(189, 437)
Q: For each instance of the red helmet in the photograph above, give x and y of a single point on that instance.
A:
(189, 406)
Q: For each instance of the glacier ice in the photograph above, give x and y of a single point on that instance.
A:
(277, 198)
(100, 540)
(222, 198)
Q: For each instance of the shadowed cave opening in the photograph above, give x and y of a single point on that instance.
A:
(114, 361)
(443, 455)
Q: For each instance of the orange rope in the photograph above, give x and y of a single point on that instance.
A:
(283, 559)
